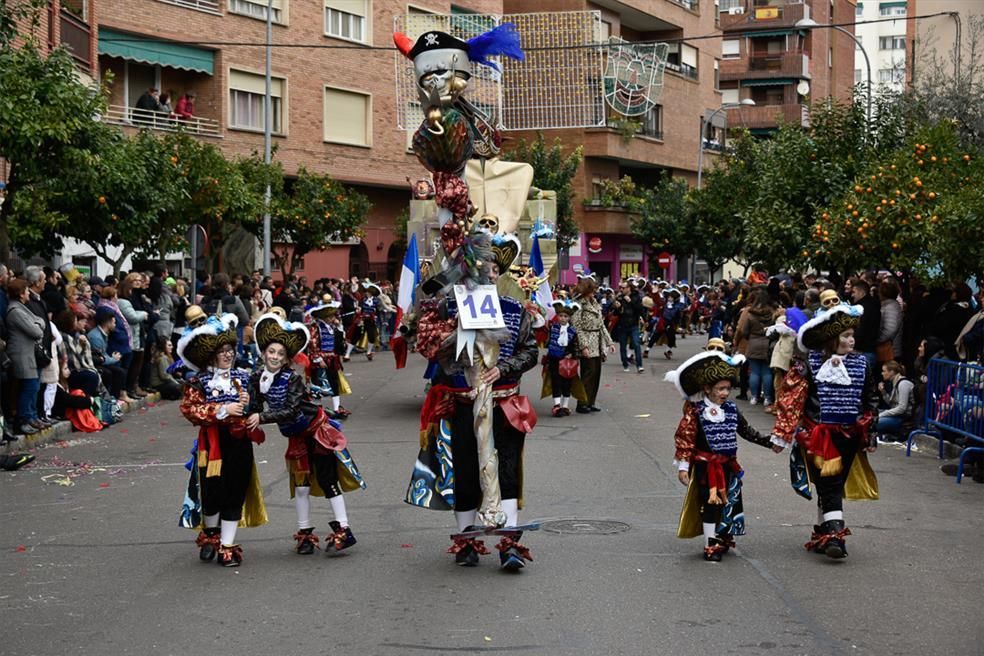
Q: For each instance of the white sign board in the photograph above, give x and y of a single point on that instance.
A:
(479, 307)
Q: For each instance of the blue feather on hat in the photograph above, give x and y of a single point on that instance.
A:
(502, 40)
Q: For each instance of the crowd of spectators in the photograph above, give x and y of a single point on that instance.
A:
(74, 343)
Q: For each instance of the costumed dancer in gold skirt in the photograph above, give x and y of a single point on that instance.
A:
(825, 411)
(224, 488)
(317, 461)
(707, 447)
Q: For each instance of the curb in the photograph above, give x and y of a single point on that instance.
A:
(51, 434)
(929, 445)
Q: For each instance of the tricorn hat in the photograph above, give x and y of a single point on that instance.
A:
(566, 306)
(827, 325)
(271, 328)
(705, 368)
(199, 344)
(324, 309)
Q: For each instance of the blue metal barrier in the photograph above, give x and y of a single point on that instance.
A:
(954, 403)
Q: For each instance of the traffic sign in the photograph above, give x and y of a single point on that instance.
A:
(664, 260)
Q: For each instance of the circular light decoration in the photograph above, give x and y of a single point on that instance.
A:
(634, 76)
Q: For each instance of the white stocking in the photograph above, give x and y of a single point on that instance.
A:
(229, 532)
(710, 531)
(336, 403)
(211, 521)
(49, 398)
(833, 514)
(511, 508)
(464, 519)
(338, 507)
(302, 502)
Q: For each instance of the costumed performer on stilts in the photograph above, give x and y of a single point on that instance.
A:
(224, 490)
(707, 447)
(317, 461)
(826, 412)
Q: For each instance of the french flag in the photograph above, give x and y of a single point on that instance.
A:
(409, 279)
(543, 295)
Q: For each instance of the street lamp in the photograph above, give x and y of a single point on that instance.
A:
(810, 24)
(746, 102)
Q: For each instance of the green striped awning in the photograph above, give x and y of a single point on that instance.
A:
(768, 82)
(755, 35)
(152, 51)
(892, 4)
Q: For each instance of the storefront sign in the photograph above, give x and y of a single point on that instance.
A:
(630, 253)
(594, 245)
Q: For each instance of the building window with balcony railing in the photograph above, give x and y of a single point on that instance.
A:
(727, 5)
(247, 92)
(258, 9)
(207, 6)
(891, 9)
(682, 59)
(891, 42)
(346, 19)
(652, 123)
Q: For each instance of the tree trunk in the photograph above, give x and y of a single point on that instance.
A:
(6, 209)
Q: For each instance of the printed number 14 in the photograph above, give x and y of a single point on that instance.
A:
(487, 307)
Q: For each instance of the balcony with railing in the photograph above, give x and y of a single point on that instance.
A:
(762, 15)
(150, 120)
(762, 117)
(76, 35)
(757, 66)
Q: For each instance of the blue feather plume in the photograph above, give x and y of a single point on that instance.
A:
(502, 40)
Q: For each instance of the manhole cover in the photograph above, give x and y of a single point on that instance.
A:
(585, 526)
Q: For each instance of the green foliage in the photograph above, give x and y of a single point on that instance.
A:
(317, 211)
(46, 127)
(623, 193)
(662, 221)
(553, 171)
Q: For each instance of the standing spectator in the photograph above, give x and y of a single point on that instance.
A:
(108, 362)
(629, 309)
(48, 375)
(135, 319)
(52, 294)
(866, 334)
(185, 109)
(759, 317)
(890, 329)
(25, 329)
(80, 303)
(163, 299)
(970, 341)
(164, 106)
(181, 303)
(950, 319)
(594, 341)
(149, 102)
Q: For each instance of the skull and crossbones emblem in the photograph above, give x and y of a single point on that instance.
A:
(430, 40)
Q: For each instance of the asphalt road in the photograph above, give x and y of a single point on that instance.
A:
(92, 561)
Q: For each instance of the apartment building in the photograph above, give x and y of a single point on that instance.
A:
(779, 54)
(333, 102)
(947, 39)
(885, 44)
(669, 134)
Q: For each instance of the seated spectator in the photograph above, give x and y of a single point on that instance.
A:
(899, 400)
(82, 370)
(107, 361)
(160, 379)
(185, 109)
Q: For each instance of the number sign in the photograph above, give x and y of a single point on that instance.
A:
(479, 307)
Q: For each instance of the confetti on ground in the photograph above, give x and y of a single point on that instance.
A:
(406, 545)
(163, 423)
(645, 416)
(20, 548)
(124, 430)
(104, 485)
(488, 639)
(58, 479)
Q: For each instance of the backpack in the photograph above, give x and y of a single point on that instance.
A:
(110, 410)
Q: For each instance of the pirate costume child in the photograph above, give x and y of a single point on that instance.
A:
(317, 461)
(224, 489)
(706, 450)
(825, 411)
(325, 350)
(562, 349)
(367, 333)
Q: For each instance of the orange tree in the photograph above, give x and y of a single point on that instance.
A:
(916, 208)
(314, 212)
